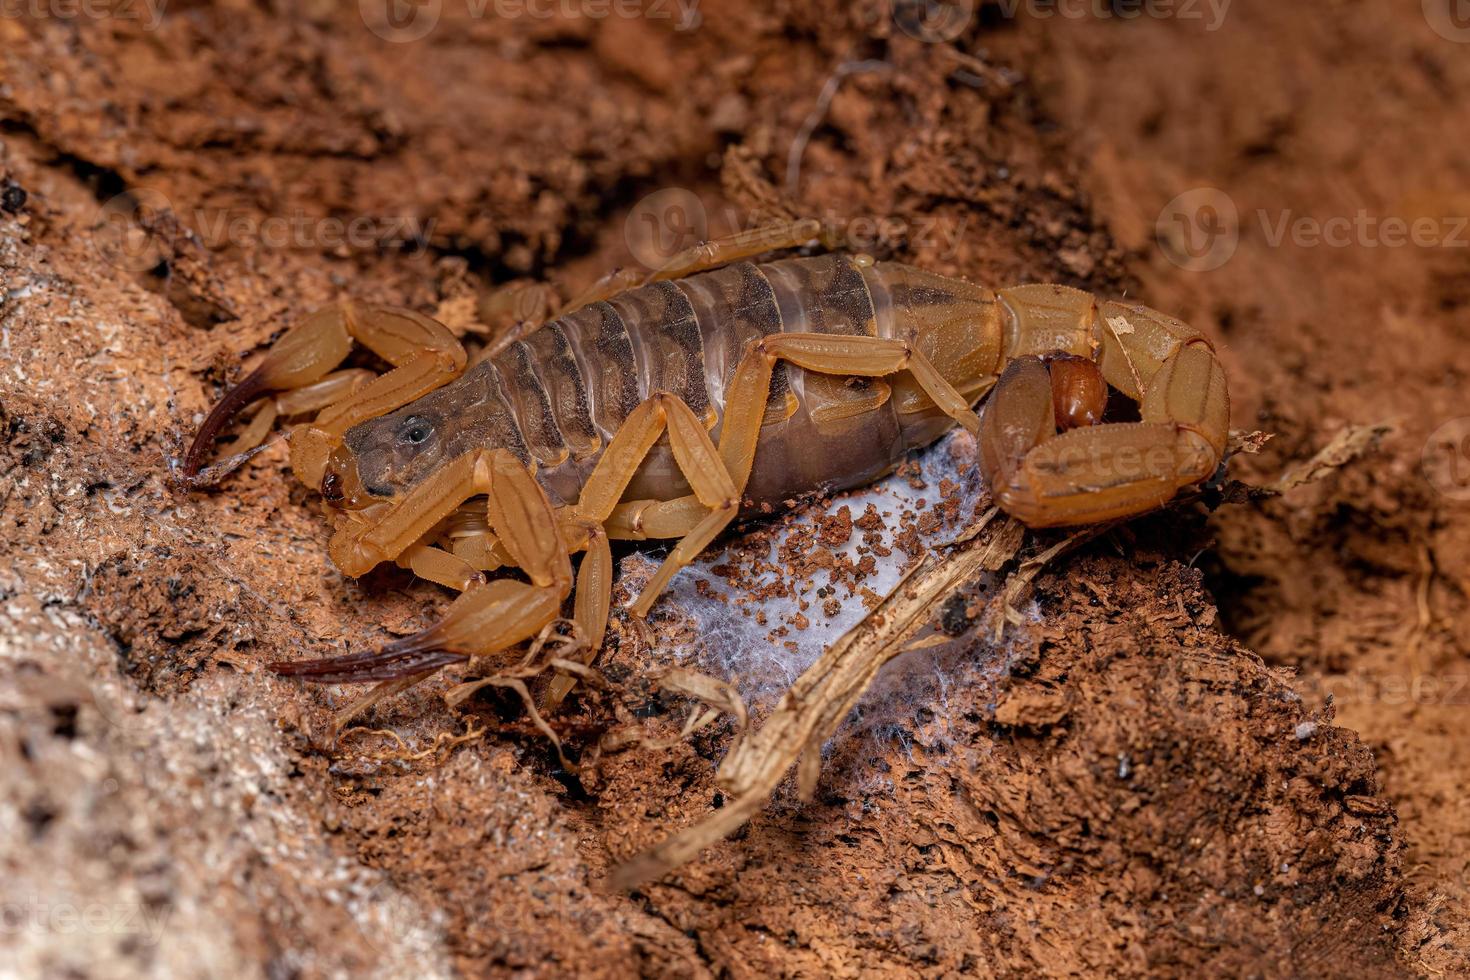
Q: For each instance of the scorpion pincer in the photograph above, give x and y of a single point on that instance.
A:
(716, 387)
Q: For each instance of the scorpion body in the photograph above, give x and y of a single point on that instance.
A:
(556, 398)
(716, 387)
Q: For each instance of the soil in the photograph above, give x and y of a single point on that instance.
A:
(1229, 738)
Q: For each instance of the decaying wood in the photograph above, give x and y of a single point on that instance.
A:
(1349, 444)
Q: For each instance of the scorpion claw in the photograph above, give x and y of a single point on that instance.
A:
(214, 474)
(405, 657)
(254, 386)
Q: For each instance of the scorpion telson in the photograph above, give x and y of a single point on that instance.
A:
(715, 387)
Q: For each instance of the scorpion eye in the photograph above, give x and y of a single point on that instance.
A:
(415, 431)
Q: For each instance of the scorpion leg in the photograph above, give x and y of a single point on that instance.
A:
(640, 520)
(487, 617)
(437, 565)
(734, 248)
(872, 357)
(702, 466)
(698, 460)
(422, 351)
(594, 589)
(718, 476)
(1102, 472)
(590, 609)
(480, 550)
(523, 301)
(704, 256)
(513, 313)
(616, 281)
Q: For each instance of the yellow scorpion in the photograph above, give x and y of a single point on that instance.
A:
(665, 408)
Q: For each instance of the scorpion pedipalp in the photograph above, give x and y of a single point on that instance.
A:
(1079, 393)
(422, 352)
(487, 616)
(1051, 464)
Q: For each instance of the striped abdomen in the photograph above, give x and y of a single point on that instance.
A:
(560, 395)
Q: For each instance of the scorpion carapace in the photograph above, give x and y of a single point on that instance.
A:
(664, 410)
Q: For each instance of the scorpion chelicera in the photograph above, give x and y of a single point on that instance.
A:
(665, 408)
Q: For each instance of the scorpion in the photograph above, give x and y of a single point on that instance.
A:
(666, 406)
